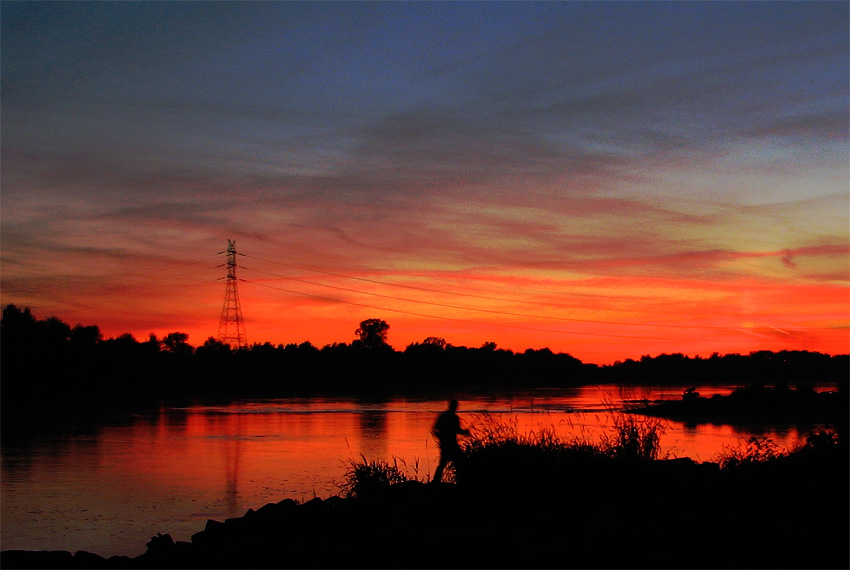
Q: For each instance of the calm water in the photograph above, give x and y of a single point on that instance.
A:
(109, 489)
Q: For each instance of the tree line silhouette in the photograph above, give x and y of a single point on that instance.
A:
(47, 360)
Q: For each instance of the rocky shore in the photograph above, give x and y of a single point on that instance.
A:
(657, 514)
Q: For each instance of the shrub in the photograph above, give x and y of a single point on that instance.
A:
(757, 449)
(822, 440)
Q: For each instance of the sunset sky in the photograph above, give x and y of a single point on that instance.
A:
(603, 179)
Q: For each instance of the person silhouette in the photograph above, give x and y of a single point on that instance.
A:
(445, 431)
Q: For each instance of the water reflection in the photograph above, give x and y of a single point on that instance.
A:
(108, 487)
(231, 441)
(373, 430)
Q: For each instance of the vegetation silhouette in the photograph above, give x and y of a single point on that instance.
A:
(372, 334)
(755, 402)
(47, 364)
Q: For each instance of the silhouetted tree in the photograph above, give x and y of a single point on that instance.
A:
(153, 345)
(48, 360)
(121, 363)
(84, 338)
(435, 341)
(17, 329)
(213, 345)
(54, 333)
(372, 333)
(428, 346)
(177, 343)
(16, 320)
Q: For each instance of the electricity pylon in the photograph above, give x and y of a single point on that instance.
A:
(231, 326)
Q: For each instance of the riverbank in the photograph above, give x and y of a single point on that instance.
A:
(78, 369)
(787, 513)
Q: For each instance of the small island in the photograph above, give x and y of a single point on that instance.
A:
(754, 403)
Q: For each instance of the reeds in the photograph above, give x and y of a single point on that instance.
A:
(496, 452)
(631, 437)
(497, 455)
(366, 478)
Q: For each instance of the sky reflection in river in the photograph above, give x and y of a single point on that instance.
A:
(110, 489)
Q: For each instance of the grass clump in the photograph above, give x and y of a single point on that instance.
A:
(367, 478)
(823, 441)
(821, 444)
(756, 449)
(496, 452)
(633, 438)
(487, 434)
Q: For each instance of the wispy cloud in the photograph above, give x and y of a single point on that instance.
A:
(540, 142)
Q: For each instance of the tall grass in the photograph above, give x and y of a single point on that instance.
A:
(486, 432)
(496, 451)
(367, 478)
(631, 437)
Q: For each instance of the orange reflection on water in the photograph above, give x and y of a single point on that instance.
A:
(111, 491)
(249, 452)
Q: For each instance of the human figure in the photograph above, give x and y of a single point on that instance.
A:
(446, 429)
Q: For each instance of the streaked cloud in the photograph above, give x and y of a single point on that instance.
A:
(548, 146)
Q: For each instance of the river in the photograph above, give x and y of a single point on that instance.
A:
(108, 488)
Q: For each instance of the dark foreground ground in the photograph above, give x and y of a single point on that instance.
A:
(658, 514)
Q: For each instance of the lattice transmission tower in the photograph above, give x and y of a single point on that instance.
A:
(231, 326)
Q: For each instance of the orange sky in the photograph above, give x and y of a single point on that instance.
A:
(597, 319)
(560, 175)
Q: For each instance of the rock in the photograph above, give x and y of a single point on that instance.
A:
(160, 543)
(36, 559)
(212, 537)
(83, 559)
(214, 527)
(314, 503)
(287, 503)
(118, 562)
(269, 512)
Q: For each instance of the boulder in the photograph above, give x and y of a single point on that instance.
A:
(84, 559)
(160, 543)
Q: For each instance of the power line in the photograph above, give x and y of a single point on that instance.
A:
(70, 303)
(119, 289)
(417, 288)
(76, 306)
(75, 281)
(490, 311)
(443, 317)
